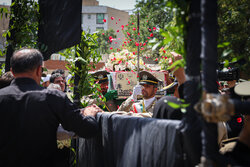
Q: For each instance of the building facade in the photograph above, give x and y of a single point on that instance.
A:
(93, 16)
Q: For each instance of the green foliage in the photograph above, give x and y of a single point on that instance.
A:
(24, 15)
(2, 69)
(104, 40)
(181, 105)
(233, 20)
(153, 16)
(84, 53)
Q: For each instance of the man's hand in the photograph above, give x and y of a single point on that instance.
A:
(136, 92)
(179, 73)
(91, 110)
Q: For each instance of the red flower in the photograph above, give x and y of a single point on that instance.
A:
(133, 53)
(122, 26)
(154, 28)
(110, 37)
(128, 82)
(136, 44)
(134, 28)
(119, 62)
(133, 23)
(148, 37)
(149, 29)
(151, 35)
(164, 51)
(117, 31)
(102, 33)
(128, 33)
(138, 33)
(144, 44)
(156, 59)
(104, 20)
(111, 48)
(112, 18)
(127, 25)
(119, 19)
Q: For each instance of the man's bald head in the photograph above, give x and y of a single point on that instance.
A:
(25, 60)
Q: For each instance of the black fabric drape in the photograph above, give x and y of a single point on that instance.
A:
(191, 124)
(132, 141)
(59, 25)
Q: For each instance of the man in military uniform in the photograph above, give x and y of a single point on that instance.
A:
(147, 88)
(101, 77)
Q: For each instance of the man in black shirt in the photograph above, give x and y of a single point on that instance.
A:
(30, 115)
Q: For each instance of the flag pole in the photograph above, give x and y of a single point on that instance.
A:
(138, 48)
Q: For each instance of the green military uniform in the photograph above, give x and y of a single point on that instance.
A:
(139, 106)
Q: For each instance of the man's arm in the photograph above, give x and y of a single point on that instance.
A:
(126, 105)
(83, 123)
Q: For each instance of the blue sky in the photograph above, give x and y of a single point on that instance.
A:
(118, 4)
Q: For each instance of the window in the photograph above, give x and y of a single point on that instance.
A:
(99, 28)
(99, 18)
(89, 16)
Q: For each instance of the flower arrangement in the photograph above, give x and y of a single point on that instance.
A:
(124, 61)
(170, 60)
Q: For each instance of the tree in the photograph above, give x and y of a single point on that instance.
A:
(154, 15)
(234, 32)
(105, 39)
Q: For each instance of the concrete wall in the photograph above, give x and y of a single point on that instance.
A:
(116, 24)
(91, 23)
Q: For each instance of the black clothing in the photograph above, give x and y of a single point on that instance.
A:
(240, 155)
(163, 111)
(29, 117)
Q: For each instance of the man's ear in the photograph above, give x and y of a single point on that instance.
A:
(155, 90)
(39, 70)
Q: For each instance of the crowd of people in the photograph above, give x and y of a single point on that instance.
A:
(36, 112)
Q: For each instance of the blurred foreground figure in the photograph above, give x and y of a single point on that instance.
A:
(30, 115)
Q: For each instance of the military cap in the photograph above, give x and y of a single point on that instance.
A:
(170, 86)
(101, 76)
(243, 88)
(147, 78)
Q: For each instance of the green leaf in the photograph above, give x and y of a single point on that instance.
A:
(226, 53)
(224, 44)
(173, 105)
